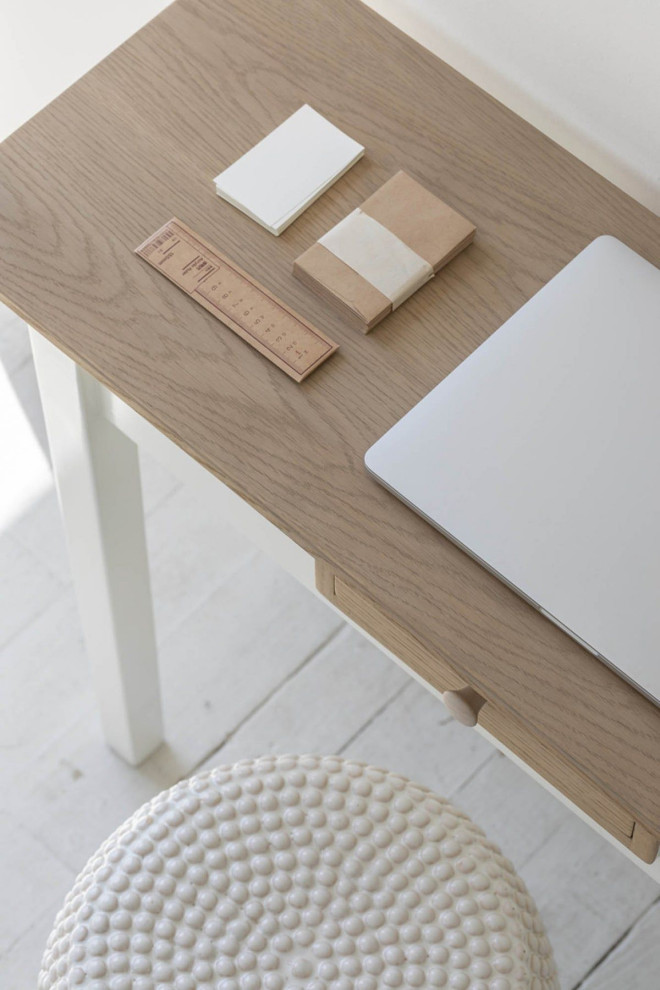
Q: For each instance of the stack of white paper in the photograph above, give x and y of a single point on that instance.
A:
(282, 175)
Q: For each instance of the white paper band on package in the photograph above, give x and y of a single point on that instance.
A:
(378, 255)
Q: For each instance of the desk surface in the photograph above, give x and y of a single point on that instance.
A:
(139, 139)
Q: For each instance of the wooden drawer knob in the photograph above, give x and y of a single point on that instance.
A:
(464, 705)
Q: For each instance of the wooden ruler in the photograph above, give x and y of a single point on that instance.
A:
(236, 299)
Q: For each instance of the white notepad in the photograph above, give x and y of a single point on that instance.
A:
(290, 168)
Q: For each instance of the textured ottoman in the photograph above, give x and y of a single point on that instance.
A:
(298, 873)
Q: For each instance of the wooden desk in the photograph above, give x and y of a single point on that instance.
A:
(138, 140)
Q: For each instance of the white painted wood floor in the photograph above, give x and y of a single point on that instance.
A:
(251, 663)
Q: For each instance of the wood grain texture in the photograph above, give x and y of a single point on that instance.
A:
(635, 962)
(644, 844)
(554, 768)
(324, 578)
(139, 139)
(396, 638)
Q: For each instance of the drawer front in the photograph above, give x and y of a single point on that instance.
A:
(554, 768)
(548, 762)
(585, 793)
(361, 610)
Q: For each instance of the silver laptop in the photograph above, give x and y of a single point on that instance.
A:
(540, 456)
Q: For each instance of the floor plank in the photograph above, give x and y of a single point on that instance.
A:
(26, 587)
(447, 756)
(319, 710)
(254, 632)
(32, 875)
(43, 672)
(77, 791)
(19, 965)
(190, 555)
(39, 530)
(635, 962)
(588, 895)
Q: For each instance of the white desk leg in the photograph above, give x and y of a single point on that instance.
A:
(97, 475)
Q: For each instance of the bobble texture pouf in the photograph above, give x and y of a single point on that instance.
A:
(298, 873)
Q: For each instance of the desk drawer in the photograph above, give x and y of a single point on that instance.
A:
(540, 756)
(360, 609)
(554, 768)
(573, 783)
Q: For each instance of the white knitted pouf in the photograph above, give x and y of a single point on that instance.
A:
(298, 873)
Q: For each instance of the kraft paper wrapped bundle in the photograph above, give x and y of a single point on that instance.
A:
(377, 256)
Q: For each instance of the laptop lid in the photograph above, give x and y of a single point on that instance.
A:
(540, 456)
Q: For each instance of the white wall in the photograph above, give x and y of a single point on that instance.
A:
(45, 45)
(587, 72)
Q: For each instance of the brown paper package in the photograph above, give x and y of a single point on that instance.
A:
(425, 223)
